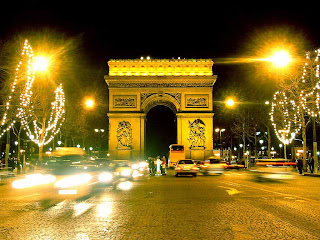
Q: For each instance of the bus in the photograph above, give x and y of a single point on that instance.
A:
(176, 153)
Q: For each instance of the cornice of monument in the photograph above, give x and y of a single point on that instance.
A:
(160, 81)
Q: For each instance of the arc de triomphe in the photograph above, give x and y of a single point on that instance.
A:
(138, 85)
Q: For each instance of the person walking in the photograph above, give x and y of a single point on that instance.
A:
(311, 163)
(300, 165)
(164, 162)
(151, 165)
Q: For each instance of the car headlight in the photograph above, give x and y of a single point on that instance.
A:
(105, 177)
(135, 166)
(126, 172)
(33, 180)
(73, 181)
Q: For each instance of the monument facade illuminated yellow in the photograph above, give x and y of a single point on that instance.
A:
(138, 85)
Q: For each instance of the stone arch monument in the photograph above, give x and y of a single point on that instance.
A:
(137, 85)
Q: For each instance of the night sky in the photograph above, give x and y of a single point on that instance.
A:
(221, 30)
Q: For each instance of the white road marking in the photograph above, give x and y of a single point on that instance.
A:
(231, 191)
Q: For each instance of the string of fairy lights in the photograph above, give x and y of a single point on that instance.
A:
(40, 133)
(286, 112)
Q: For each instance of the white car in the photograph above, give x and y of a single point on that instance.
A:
(186, 167)
(212, 167)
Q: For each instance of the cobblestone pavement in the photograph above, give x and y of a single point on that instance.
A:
(232, 206)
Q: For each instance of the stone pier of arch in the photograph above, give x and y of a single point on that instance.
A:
(183, 85)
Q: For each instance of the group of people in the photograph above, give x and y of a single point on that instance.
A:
(156, 164)
(13, 163)
(310, 161)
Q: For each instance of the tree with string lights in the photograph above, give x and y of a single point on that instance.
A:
(297, 103)
(31, 104)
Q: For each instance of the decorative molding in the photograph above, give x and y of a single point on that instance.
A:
(197, 100)
(159, 81)
(124, 101)
(160, 67)
(145, 96)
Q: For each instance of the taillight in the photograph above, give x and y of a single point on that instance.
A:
(195, 167)
(178, 168)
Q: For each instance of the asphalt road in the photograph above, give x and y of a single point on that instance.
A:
(232, 206)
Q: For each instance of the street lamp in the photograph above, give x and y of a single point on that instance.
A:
(100, 131)
(280, 58)
(89, 103)
(41, 63)
(229, 102)
(218, 130)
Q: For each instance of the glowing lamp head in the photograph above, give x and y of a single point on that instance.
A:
(230, 102)
(89, 103)
(280, 58)
(40, 63)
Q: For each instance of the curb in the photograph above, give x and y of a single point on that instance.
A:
(311, 175)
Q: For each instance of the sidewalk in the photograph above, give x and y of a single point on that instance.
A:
(311, 174)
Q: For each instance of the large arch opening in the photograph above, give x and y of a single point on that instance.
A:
(161, 130)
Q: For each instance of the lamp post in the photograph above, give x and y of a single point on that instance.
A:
(89, 103)
(100, 131)
(218, 130)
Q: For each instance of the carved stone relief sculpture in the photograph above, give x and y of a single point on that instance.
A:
(197, 136)
(124, 134)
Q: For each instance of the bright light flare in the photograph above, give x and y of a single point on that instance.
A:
(105, 177)
(33, 180)
(280, 58)
(125, 185)
(40, 63)
(230, 102)
(73, 181)
(89, 103)
(126, 172)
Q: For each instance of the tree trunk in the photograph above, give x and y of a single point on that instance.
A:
(269, 142)
(41, 140)
(304, 140)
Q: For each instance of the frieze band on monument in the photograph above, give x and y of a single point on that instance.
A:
(192, 100)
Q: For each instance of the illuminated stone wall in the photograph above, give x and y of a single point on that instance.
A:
(136, 86)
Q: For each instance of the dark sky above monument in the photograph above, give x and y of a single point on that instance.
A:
(221, 30)
(163, 29)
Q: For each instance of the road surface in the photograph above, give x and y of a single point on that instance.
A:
(232, 206)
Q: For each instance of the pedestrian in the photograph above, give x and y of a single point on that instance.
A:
(164, 162)
(11, 164)
(311, 163)
(158, 164)
(299, 165)
(151, 165)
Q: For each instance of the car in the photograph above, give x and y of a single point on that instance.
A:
(273, 169)
(212, 166)
(122, 168)
(186, 167)
(234, 166)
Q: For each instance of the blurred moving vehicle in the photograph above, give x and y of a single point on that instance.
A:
(213, 166)
(186, 167)
(234, 166)
(176, 153)
(122, 168)
(273, 169)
